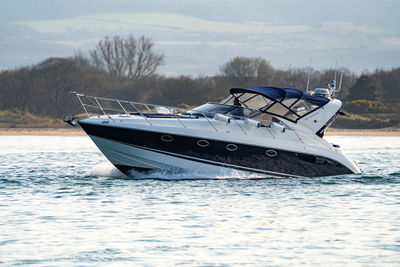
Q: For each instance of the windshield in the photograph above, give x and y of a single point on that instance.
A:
(210, 109)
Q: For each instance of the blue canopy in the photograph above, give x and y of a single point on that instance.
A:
(279, 94)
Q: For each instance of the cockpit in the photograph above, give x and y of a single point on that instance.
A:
(264, 103)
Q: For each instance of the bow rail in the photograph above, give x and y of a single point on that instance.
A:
(94, 105)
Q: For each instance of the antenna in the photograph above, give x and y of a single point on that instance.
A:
(332, 85)
(309, 74)
(332, 88)
(336, 69)
(340, 82)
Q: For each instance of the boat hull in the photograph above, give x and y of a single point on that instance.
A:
(145, 150)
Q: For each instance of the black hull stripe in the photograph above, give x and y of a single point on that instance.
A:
(246, 156)
(208, 161)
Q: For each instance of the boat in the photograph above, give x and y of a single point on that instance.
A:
(265, 130)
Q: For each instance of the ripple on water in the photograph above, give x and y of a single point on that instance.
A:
(69, 206)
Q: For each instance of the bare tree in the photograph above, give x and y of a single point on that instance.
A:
(15, 88)
(126, 57)
(243, 67)
(80, 59)
(56, 76)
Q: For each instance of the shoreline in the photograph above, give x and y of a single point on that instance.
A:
(42, 131)
(79, 132)
(363, 132)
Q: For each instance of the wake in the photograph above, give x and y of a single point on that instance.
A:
(107, 170)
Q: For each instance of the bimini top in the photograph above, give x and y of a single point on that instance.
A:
(287, 103)
(280, 94)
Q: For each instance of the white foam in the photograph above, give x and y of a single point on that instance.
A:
(106, 169)
(188, 175)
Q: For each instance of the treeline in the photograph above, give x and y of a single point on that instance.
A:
(44, 88)
(126, 68)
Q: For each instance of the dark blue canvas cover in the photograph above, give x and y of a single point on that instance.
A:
(279, 94)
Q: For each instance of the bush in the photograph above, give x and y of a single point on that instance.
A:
(16, 117)
(363, 106)
(354, 121)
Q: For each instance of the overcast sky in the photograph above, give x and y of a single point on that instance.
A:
(198, 36)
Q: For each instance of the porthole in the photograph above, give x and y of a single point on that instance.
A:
(231, 147)
(271, 153)
(167, 138)
(203, 143)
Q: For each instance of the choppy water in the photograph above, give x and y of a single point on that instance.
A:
(62, 204)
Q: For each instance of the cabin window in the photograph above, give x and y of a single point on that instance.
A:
(271, 153)
(231, 147)
(167, 138)
(203, 143)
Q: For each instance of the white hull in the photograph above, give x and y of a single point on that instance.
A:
(120, 154)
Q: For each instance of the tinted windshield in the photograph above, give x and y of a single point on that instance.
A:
(214, 108)
(210, 108)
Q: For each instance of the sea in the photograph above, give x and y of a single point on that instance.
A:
(63, 204)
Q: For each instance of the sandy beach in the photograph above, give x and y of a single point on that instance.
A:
(80, 132)
(364, 132)
(43, 131)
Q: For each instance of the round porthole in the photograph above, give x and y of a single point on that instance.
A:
(271, 153)
(231, 147)
(203, 143)
(167, 138)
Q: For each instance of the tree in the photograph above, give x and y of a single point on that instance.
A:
(292, 77)
(55, 76)
(366, 87)
(80, 59)
(15, 88)
(126, 57)
(243, 68)
(390, 83)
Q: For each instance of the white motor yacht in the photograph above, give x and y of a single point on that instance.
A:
(267, 130)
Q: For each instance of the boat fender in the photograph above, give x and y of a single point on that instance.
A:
(276, 127)
(222, 118)
(250, 122)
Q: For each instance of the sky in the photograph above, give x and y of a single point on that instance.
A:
(198, 36)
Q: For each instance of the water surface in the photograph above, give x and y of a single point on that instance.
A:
(62, 203)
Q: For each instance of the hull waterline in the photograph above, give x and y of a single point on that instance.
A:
(145, 150)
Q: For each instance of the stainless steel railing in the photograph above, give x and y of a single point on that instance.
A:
(110, 106)
(114, 106)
